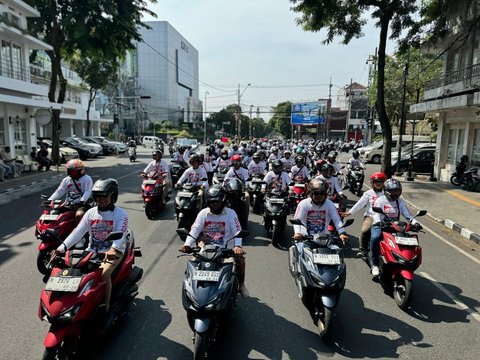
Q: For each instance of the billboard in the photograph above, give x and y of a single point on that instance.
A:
(309, 113)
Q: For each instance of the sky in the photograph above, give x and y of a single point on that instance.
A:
(257, 42)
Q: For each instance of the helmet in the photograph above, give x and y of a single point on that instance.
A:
(75, 169)
(195, 158)
(157, 152)
(319, 164)
(287, 152)
(298, 159)
(327, 170)
(220, 145)
(236, 158)
(464, 158)
(256, 156)
(376, 176)
(105, 187)
(216, 193)
(224, 154)
(234, 188)
(331, 157)
(299, 150)
(355, 154)
(273, 149)
(393, 189)
(319, 185)
(277, 166)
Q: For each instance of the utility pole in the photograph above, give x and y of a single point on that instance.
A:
(250, 124)
(205, 123)
(349, 114)
(404, 117)
(329, 106)
(372, 74)
(239, 114)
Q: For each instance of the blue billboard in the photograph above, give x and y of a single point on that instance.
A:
(309, 113)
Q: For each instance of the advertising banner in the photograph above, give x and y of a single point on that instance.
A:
(309, 113)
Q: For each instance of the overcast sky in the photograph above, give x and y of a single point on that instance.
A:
(258, 42)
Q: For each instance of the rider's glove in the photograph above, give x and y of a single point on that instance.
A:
(185, 249)
(417, 227)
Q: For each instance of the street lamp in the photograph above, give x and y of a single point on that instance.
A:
(205, 122)
(239, 111)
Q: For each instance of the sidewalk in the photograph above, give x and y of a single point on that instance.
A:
(452, 206)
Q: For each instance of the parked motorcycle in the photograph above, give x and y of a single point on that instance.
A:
(355, 178)
(255, 193)
(318, 267)
(275, 215)
(469, 180)
(457, 177)
(58, 216)
(132, 154)
(209, 292)
(176, 170)
(152, 194)
(187, 205)
(72, 295)
(400, 256)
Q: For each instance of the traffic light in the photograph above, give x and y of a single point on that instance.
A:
(115, 119)
(368, 121)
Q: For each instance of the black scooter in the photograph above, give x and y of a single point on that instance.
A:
(276, 210)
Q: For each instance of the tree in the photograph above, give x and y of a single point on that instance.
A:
(281, 119)
(105, 27)
(346, 19)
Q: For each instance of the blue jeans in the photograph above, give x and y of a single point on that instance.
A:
(8, 170)
(375, 238)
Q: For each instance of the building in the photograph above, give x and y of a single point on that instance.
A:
(167, 66)
(353, 98)
(455, 96)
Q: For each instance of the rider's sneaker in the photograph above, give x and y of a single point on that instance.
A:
(375, 270)
(243, 291)
(361, 253)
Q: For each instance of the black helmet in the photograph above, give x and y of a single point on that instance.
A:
(157, 152)
(331, 156)
(256, 156)
(298, 159)
(277, 166)
(392, 189)
(220, 145)
(216, 193)
(195, 157)
(464, 158)
(355, 154)
(105, 187)
(233, 185)
(327, 170)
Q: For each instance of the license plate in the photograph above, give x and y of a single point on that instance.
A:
(337, 205)
(185, 194)
(276, 201)
(150, 182)
(49, 217)
(326, 259)
(206, 275)
(408, 241)
(300, 185)
(63, 283)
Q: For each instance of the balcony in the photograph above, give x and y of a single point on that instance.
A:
(453, 82)
(13, 21)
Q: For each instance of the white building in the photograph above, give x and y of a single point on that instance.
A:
(353, 98)
(456, 95)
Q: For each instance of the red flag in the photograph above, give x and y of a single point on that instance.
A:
(225, 139)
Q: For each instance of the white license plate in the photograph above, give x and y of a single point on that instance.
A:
(49, 217)
(300, 185)
(276, 201)
(408, 241)
(202, 275)
(63, 283)
(185, 194)
(326, 259)
(337, 205)
(150, 182)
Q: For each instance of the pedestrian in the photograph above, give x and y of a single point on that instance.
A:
(42, 158)
(9, 161)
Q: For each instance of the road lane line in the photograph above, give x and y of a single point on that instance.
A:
(460, 304)
(463, 197)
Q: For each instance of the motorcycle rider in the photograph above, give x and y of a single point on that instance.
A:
(256, 166)
(178, 155)
(99, 222)
(392, 206)
(219, 223)
(332, 160)
(287, 160)
(377, 179)
(317, 211)
(354, 162)
(237, 171)
(299, 171)
(223, 161)
(277, 178)
(76, 187)
(156, 168)
(208, 162)
(195, 175)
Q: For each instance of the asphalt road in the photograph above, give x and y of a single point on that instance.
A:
(442, 323)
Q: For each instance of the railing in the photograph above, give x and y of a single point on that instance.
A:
(14, 70)
(12, 20)
(470, 75)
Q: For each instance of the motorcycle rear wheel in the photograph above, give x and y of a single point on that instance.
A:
(275, 235)
(50, 353)
(43, 259)
(455, 180)
(150, 210)
(257, 206)
(325, 323)
(200, 346)
(402, 292)
(359, 191)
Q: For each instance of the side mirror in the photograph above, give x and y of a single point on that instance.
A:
(295, 221)
(182, 232)
(348, 222)
(116, 235)
(377, 210)
(422, 213)
(242, 234)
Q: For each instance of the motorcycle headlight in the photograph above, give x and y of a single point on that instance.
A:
(212, 304)
(317, 279)
(70, 313)
(399, 258)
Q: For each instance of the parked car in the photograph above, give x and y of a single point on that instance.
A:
(188, 142)
(95, 149)
(118, 146)
(407, 149)
(373, 152)
(66, 153)
(422, 161)
(83, 151)
(108, 149)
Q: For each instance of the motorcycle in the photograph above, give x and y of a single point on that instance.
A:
(209, 292)
(457, 177)
(171, 150)
(237, 199)
(132, 154)
(355, 178)
(318, 267)
(72, 295)
(469, 179)
(219, 175)
(176, 170)
(187, 205)
(298, 193)
(400, 256)
(58, 216)
(275, 215)
(255, 193)
(152, 194)
(339, 202)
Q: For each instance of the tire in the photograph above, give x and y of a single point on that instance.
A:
(200, 346)
(256, 206)
(455, 181)
(43, 258)
(275, 235)
(325, 324)
(359, 191)
(150, 210)
(402, 292)
(50, 353)
(183, 223)
(376, 159)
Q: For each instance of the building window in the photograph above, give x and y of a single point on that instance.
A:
(476, 149)
(3, 140)
(456, 140)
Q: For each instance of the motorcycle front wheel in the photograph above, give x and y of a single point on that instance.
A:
(150, 210)
(325, 323)
(43, 258)
(455, 181)
(200, 346)
(402, 292)
(275, 235)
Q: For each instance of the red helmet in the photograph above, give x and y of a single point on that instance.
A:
(75, 169)
(378, 176)
(320, 163)
(236, 157)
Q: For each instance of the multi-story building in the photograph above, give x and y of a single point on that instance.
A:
(455, 96)
(353, 98)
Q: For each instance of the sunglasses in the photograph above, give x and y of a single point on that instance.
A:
(378, 181)
(319, 192)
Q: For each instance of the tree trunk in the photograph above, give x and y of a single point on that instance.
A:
(381, 109)
(90, 100)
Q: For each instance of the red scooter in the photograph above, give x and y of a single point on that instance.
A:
(59, 216)
(400, 256)
(298, 192)
(339, 203)
(152, 194)
(72, 295)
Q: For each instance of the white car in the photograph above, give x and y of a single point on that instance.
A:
(119, 147)
(66, 153)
